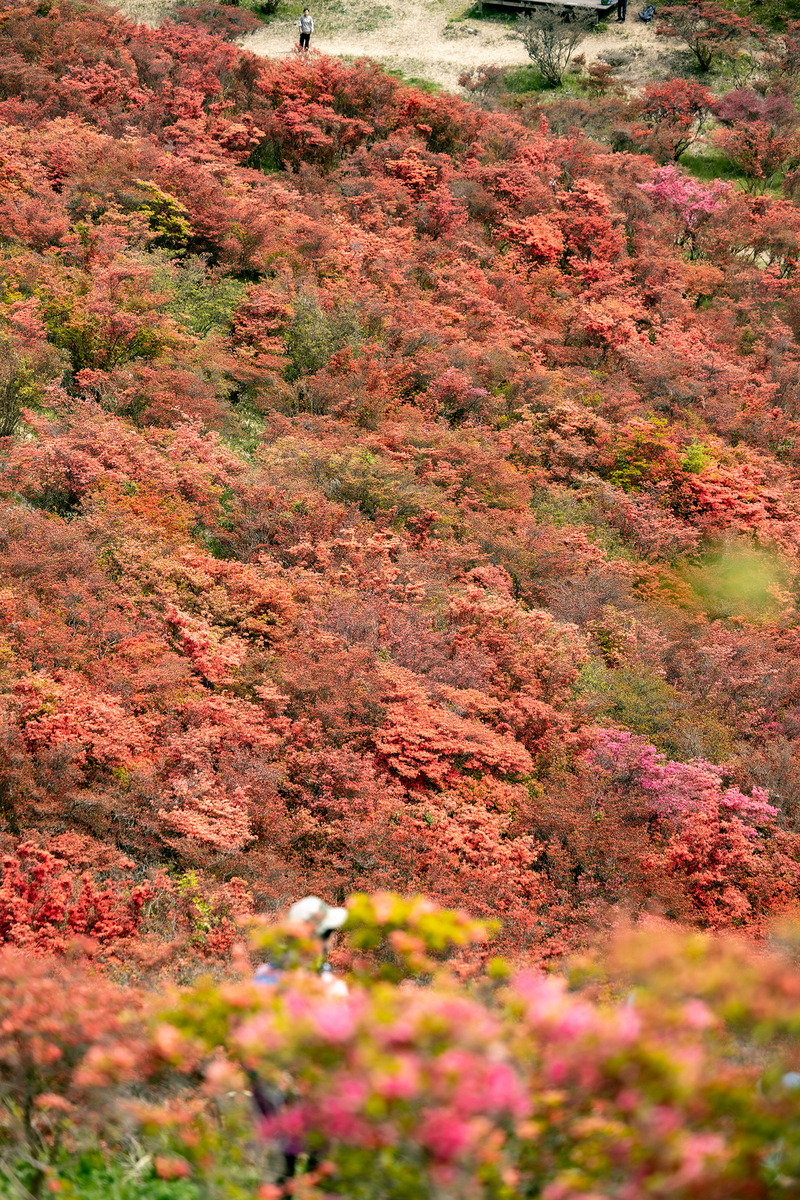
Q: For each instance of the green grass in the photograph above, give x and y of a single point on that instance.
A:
(286, 10)
(89, 1177)
(528, 80)
(244, 433)
(708, 164)
(373, 17)
(422, 85)
(96, 1173)
(520, 80)
(258, 10)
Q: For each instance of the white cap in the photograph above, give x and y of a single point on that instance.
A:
(311, 908)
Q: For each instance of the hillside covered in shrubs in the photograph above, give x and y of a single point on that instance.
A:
(395, 496)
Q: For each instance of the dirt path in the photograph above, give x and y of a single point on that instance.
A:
(422, 39)
(425, 39)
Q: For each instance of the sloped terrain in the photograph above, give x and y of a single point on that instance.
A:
(394, 496)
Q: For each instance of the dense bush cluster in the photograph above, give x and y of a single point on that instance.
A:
(367, 456)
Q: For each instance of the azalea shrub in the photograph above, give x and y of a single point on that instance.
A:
(666, 1063)
(661, 1061)
(351, 432)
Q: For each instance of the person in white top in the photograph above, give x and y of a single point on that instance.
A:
(312, 918)
(306, 26)
(320, 921)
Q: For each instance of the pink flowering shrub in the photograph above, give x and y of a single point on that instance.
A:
(663, 1064)
(725, 850)
(418, 1071)
(613, 1081)
(677, 788)
(692, 203)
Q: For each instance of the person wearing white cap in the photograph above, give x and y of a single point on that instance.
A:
(319, 920)
(311, 918)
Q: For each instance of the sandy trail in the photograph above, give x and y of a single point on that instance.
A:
(424, 40)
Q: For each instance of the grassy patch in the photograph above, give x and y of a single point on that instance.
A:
(520, 80)
(373, 18)
(283, 11)
(90, 1177)
(422, 85)
(708, 164)
(262, 9)
(244, 432)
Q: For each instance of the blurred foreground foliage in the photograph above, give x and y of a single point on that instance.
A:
(663, 1063)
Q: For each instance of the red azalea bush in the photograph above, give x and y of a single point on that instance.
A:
(401, 496)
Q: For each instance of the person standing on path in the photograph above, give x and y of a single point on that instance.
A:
(622, 11)
(306, 26)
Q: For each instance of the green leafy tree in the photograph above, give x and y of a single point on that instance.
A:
(314, 335)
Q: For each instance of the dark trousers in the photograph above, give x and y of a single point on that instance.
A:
(622, 10)
(305, 38)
